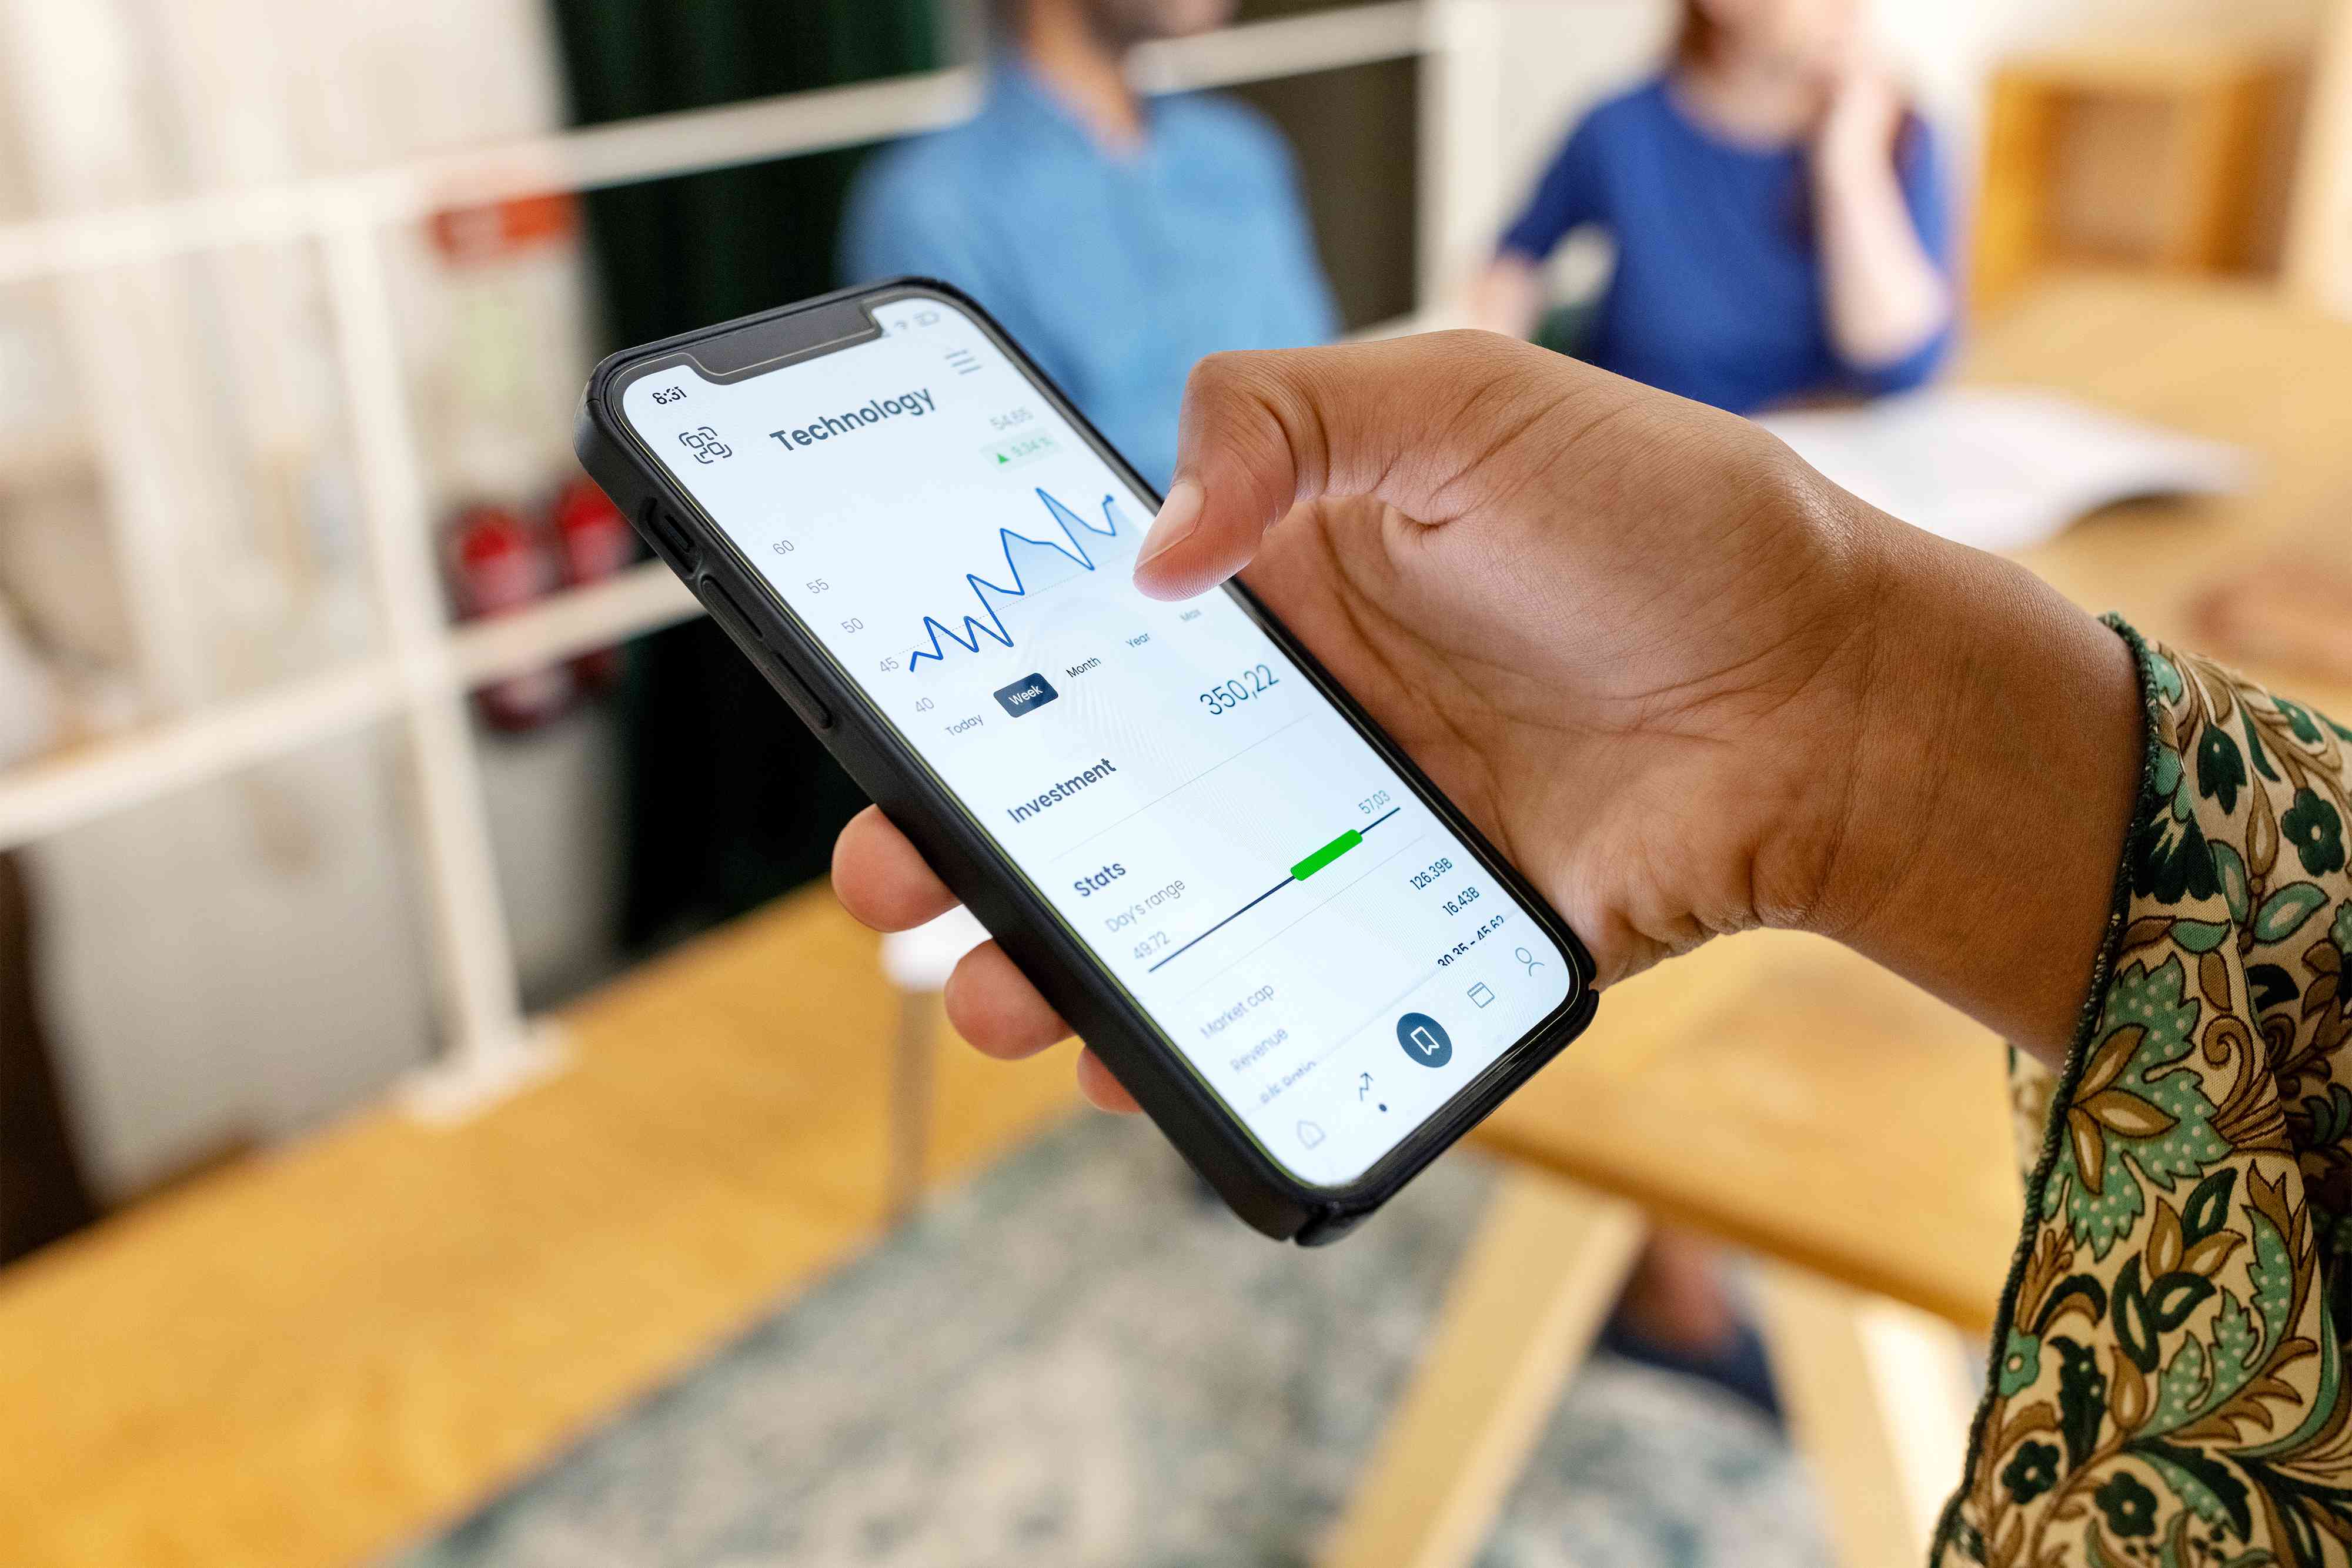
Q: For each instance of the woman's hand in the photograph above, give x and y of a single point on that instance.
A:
(1686, 684)
(1887, 298)
(1862, 112)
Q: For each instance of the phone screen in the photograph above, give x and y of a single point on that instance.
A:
(1319, 947)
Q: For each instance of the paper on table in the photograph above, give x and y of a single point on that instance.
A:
(2002, 467)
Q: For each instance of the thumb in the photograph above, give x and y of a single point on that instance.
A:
(1417, 422)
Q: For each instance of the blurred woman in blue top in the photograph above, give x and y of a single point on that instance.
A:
(1780, 217)
(1118, 238)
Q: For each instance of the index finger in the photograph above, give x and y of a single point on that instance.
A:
(882, 879)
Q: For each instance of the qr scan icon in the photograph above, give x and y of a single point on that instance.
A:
(705, 444)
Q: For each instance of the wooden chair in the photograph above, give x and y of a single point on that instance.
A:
(2172, 184)
(2319, 218)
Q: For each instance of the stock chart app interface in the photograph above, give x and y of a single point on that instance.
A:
(1317, 943)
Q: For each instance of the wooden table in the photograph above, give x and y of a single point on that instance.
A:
(1785, 1095)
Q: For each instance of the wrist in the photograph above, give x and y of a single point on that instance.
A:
(1991, 787)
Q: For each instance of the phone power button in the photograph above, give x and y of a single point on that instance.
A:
(739, 626)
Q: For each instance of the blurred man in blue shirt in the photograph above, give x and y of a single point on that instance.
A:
(1118, 238)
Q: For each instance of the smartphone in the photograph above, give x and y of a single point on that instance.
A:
(1310, 969)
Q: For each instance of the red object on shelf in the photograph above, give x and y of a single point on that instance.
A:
(499, 563)
(469, 235)
(595, 542)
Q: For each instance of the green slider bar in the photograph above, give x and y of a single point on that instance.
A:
(1326, 855)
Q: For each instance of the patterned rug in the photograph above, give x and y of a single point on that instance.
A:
(1078, 1360)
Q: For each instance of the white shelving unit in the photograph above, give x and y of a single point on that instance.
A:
(425, 666)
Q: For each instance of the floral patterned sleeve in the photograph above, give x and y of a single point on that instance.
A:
(2167, 1383)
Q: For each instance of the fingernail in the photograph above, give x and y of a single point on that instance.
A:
(1179, 515)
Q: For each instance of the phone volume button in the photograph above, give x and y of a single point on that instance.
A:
(668, 533)
(780, 675)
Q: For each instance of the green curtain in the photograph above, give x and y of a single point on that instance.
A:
(731, 801)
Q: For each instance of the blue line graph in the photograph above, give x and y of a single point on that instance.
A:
(1049, 564)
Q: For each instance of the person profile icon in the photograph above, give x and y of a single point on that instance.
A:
(1529, 959)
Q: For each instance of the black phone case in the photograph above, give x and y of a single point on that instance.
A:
(1088, 999)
